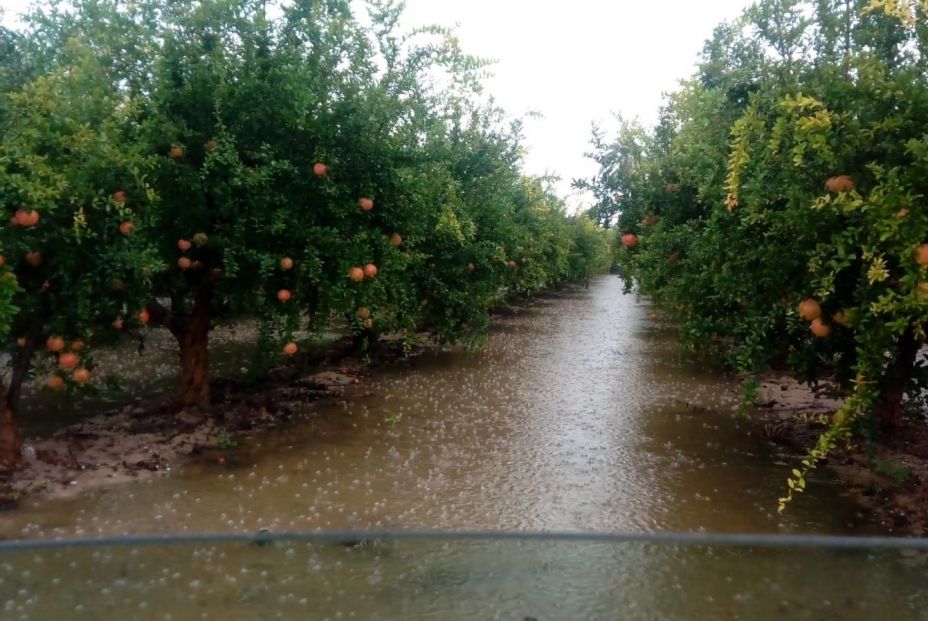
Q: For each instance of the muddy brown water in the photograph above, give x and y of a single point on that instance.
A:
(578, 415)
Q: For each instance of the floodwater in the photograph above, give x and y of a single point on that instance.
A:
(578, 415)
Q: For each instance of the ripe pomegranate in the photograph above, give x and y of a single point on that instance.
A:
(396, 240)
(629, 240)
(55, 382)
(34, 258)
(921, 254)
(54, 343)
(81, 375)
(144, 316)
(284, 295)
(176, 152)
(21, 341)
(363, 313)
(184, 263)
(368, 324)
(370, 270)
(77, 345)
(126, 227)
(819, 328)
(809, 309)
(286, 264)
(356, 274)
(511, 264)
(366, 204)
(26, 217)
(290, 349)
(320, 169)
(200, 239)
(120, 196)
(183, 245)
(841, 183)
(68, 360)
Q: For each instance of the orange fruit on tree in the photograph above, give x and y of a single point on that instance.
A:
(629, 240)
(81, 375)
(55, 382)
(363, 313)
(471, 267)
(68, 360)
(144, 316)
(366, 204)
(77, 345)
(921, 254)
(26, 217)
(511, 264)
(320, 169)
(120, 196)
(284, 295)
(820, 328)
(183, 245)
(21, 341)
(176, 152)
(286, 263)
(184, 263)
(290, 349)
(209, 145)
(34, 258)
(841, 183)
(370, 270)
(396, 240)
(54, 343)
(809, 309)
(126, 227)
(368, 324)
(356, 274)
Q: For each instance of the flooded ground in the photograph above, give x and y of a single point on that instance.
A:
(577, 416)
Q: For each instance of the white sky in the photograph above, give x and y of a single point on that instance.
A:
(575, 62)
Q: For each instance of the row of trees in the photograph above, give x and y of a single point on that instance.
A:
(174, 163)
(778, 209)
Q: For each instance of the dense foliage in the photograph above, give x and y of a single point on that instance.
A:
(778, 209)
(178, 163)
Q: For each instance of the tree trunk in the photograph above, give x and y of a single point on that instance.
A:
(193, 338)
(898, 374)
(11, 443)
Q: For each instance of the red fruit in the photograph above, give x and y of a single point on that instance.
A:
(54, 343)
(68, 360)
(396, 240)
(25, 217)
(126, 227)
(176, 152)
(320, 169)
(921, 255)
(77, 345)
(366, 204)
(363, 313)
(183, 245)
(370, 270)
(356, 274)
(820, 329)
(120, 196)
(284, 295)
(841, 183)
(184, 263)
(286, 264)
(809, 309)
(34, 258)
(290, 349)
(511, 264)
(55, 382)
(81, 375)
(144, 316)
(629, 240)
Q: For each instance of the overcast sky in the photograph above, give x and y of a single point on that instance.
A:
(574, 62)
